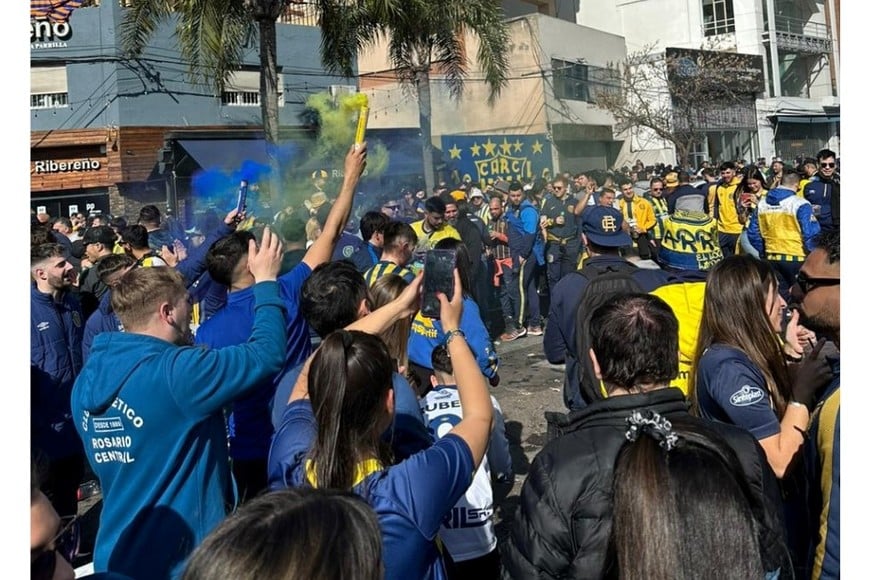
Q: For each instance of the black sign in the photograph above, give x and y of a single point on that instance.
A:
(744, 72)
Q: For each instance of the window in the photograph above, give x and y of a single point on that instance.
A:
(243, 89)
(718, 16)
(240, 99)
(48, 100)
(48, 87)
(581, 82)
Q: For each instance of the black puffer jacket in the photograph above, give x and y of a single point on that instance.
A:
(563, 522)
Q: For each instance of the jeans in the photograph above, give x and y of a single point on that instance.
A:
(728, 244)
(509, 295)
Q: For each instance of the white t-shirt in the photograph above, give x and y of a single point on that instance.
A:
(467, 530)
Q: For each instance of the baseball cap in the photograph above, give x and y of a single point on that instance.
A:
(475, 192)
(457, 194)
(671, 179)
(603, 227)
(690, 241)
(99, 234)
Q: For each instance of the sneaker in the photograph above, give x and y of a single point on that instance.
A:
(535, 331)
(513, 334)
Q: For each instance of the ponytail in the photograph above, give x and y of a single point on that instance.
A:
(348, 383)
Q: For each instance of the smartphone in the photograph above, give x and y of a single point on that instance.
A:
(437, 277)
(243, 197)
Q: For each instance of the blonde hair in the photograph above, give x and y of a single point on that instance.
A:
(142, 290)
(312, 229)
(383, 291)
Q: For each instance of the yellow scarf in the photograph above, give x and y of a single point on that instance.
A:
(362, 471)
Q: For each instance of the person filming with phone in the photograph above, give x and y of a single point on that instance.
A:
(427, 330)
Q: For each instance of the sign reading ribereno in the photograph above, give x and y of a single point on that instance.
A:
(51, 166)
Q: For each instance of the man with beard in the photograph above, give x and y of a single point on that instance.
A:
(56, 329)
(817, 292)
(432, 229)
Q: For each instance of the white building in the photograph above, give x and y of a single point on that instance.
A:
(799, 112)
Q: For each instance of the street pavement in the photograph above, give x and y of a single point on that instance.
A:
(529, 386)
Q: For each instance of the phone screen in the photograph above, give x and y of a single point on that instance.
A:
(437, 277)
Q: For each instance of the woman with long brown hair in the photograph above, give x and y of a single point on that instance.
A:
(741, 373)
(333, 440)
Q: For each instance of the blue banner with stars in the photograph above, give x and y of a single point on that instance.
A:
(488, 158)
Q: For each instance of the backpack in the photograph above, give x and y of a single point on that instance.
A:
(604, 283)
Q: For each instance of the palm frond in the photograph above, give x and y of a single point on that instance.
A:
(140, 22)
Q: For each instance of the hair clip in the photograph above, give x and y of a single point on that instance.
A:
(652, 424)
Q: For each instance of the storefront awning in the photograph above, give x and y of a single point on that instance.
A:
(226, 154)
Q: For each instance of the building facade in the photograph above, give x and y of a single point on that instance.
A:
(111, 133)
(798, 112)
(556, 69)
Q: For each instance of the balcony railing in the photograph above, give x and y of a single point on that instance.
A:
(300, 14)
(800, 36)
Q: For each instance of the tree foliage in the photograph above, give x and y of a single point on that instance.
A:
(423, 36)
(680, 95)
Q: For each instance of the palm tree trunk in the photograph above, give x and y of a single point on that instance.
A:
(424, 98)
(269, 79)
(269, 102)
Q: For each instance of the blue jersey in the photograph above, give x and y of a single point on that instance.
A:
(427, 333)
(250, 429)
(410, 498)
(731, 389)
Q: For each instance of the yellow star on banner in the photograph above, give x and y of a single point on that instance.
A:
(475, 150)
(537, 147)
(518, 146)
(505, 147)
(454, 152)
(489, 147)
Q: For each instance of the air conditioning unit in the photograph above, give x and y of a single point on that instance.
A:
(336, 90)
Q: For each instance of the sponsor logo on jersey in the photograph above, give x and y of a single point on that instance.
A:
(746, 396)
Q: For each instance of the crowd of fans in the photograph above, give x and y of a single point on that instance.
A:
(262, 398)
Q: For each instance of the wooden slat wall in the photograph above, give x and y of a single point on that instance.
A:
(132, 159)
(137, 152)
(68, 146)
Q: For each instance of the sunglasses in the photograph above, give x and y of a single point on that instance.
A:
(828, 165)
(66, 543)
(558, 187)
(807, 283)
(656, 189)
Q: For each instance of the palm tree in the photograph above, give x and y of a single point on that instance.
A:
(420, 34)
(212, 36)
